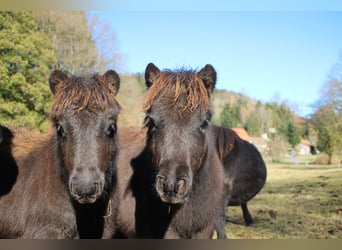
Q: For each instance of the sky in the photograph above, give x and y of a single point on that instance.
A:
(270, 50)
(272, 55)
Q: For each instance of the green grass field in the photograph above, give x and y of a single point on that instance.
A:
(297, 202)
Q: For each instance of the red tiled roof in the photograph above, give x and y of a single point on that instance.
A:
(243, 134)
(305, 142)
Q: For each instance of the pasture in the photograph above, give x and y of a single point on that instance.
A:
(297, 202)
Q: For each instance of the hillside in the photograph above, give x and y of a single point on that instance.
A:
(132, 88)
(221, 97)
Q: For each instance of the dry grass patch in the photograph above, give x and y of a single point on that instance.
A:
(297, 202)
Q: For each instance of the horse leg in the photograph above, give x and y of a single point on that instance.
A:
(220, 225)
(246, 215)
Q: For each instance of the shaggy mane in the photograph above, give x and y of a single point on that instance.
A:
(79, 93)
(181, 82)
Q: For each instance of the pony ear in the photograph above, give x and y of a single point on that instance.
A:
(56, 78)
(208, 76)
(151, 72)
(112, 78)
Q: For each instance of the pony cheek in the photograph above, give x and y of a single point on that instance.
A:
(107, 158)
(65, 159)
(154, 147)
(196, 161)
(198, 155)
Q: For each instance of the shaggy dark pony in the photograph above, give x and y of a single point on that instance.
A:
(66, 187)
(8, 168)
(170, 175)
(245, 173)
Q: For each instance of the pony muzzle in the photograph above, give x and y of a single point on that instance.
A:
(85, 193)
(172, 191)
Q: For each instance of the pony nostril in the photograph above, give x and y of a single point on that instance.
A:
(73, 189)
(180, 184)
(159, 184)
(160, 177)
(97, 187)
(180, 188)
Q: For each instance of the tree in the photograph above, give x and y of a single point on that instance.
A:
(325, 120)
(73, 37)
(31, 45)
(105, 39)
(230, 116)
(306, 131)
(252, 125)
(26, 58)
(292, 134)
(71, 40)
(264, 117)
(328, 118)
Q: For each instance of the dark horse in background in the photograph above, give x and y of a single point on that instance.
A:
(8, 168)
(170, 175)
(66, 186)
(245, 173)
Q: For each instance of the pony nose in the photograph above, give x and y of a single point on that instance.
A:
(86, 189)
(170, 187)
(85, 192)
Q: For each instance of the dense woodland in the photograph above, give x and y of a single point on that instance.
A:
(32, 44)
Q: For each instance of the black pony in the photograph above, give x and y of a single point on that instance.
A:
(245, 173)
(8, 168)
(170, 174)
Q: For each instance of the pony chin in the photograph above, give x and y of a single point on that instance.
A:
(172, 199)
(86, 200)
(83, 197)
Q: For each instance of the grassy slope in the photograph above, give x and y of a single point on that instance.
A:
(297, 202)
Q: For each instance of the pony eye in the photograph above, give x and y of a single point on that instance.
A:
(204, 125)
(60, 130)
(111, 130)
(149, 124)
